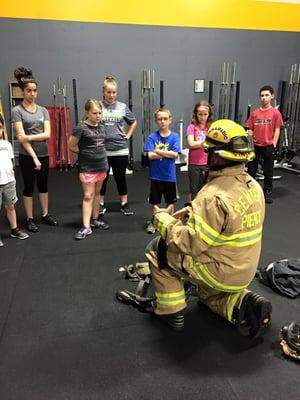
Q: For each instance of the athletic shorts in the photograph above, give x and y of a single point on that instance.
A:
(8, 194)
(92, 177)
(159, 188)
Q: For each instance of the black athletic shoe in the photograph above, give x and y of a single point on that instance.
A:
(31, 225)
(254, 316)
(174, 321)
(19, 234)
(126, 210)
(99, 223)
(102, 210)
(268, 196)
(49, 220)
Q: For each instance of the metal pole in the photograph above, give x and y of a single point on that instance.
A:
(226, 92)
(210, 92)
(296, 82)
(75, 101)
(130, 105)
(248, 111)
(282, 91)
(161, 94)
(231, 93)
(62, 138)
(221, 93)
(237, 101)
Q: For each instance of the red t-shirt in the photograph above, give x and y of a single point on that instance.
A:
(263, 124)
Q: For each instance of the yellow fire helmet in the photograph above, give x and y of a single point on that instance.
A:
(230, 141)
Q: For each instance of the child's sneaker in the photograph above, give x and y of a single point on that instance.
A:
(49, 220)
(1, 243)
(150, 227)
(126, 210)
(99, 224)
(102, 209)
(31, 225)
(83, 233)
(19, 234)
(268, 197)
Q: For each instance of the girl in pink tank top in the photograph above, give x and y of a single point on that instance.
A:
(196, 134)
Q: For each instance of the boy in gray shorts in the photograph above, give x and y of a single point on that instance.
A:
(8, 195)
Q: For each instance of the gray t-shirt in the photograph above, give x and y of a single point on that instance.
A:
(33, 123)
(114, 117)
(92, 154)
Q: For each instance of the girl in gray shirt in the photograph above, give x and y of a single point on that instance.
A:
(119, 123)
(32, 129)
(87, 141)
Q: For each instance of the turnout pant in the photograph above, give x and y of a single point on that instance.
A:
(169, 288)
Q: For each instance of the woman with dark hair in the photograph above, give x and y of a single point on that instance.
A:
(32, 128)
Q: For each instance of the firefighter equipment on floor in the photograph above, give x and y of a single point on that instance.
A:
(139, 272)
(139, 298)
(290, 340)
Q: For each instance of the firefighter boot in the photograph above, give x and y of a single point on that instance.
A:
(254, 316)
(174, 321)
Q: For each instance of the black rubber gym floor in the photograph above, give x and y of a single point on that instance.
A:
(64, 336)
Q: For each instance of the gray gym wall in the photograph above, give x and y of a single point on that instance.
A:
(90, 51)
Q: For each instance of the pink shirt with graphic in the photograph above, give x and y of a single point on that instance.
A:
(263, 124)
(197, 156)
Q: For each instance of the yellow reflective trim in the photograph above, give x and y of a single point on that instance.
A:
(170, 299)
(162, 229)
(231, 302)
(206, 277)
(214, 238)
(170, 303)
(170, 294)
(162, 223)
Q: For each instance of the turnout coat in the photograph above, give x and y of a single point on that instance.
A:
(220, 243)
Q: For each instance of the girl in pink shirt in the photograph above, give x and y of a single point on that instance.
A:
(196, 134)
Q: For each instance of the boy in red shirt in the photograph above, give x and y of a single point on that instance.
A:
(264, 125)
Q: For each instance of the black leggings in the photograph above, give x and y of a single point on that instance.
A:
(118, 165)
(29, 174)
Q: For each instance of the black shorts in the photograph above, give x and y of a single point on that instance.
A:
(159, 188)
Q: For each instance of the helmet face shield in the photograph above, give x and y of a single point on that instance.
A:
(229, 141)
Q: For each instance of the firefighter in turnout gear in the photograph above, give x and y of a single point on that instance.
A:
(215, 241)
